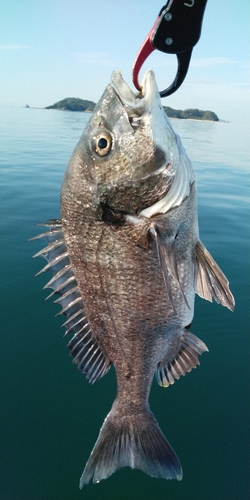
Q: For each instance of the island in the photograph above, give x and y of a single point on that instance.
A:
(191, 114)
(73, 104)
(77, 104)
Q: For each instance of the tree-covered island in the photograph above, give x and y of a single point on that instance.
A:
(73, 104)
(191, 114)
(77, 104)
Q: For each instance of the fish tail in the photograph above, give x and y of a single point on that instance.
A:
(135, 441)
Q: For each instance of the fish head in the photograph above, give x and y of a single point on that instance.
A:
(128, 154)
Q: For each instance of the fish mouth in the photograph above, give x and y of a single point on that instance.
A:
(136, 104)
(145, 107)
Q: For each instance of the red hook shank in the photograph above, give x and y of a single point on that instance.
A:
(143, 53)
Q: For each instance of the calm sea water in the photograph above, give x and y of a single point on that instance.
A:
(50, 414)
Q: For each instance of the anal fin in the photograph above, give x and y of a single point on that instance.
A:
(186, 358)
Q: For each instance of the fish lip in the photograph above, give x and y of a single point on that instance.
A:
(141, 108)
(136, 104)
(146, 107)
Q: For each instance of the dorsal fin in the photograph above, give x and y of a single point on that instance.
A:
(86, 352)
(211, 282)
(185, 359)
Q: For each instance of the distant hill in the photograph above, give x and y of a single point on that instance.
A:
(77, 104)
(194, 114)
(73, 104)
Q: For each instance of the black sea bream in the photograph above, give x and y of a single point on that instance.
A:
(126, 260)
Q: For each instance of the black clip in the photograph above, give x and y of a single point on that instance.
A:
(176, 30)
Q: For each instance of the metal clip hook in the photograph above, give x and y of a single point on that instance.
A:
(176, 30)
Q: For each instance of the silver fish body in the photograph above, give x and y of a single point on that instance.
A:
(126, 260)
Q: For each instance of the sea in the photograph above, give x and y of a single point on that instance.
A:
(50, 414)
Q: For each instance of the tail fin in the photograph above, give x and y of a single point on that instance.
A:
(136, 441)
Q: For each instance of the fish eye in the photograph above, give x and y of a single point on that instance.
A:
(102, 143)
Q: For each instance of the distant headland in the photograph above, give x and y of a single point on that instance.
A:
(77, 104)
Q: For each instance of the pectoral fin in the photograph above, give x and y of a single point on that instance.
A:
(211, 282)
(168, 263)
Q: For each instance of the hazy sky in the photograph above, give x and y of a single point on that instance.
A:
(52, 49)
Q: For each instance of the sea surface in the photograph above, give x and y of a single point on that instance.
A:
(51, 415)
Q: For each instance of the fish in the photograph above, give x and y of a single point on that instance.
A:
(126, 261)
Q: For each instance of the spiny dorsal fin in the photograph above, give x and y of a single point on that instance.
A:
(211, 282)
(186, 358)
(86, 351)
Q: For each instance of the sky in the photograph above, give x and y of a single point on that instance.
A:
(52, 49)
